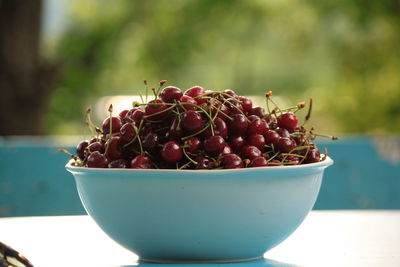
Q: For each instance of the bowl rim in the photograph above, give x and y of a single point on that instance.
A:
(322, 164)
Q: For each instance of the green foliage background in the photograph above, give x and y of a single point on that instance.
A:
(345, 54)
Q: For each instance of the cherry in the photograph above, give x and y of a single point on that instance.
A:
(293, 160)
(257, 125)
(80, 149)
(238, 125)
(250, 152)
(237, 142)
(214, 145)
(227, 150)
(134, 115)
(96, 146)
(258, 111)
(188, 99)
(282, 132)
(202, 163)
(141, 162)
(96, 160)
(113, 150)
(116, 125)
(156, 107)
(118, 163)
(231, 93)
(150, 142)
(192, 122)
(274, 162)
(259, 162)
(256, 140)
(288, 121)
(195, 91)
(171, 93)
(122, 114)
(171, 152)
(246, 104)
(223, 110)
(234, 107)
(175, 130)
(220, 129)
(271, 137)
(128, 132)
(93, 140)
(192, 145)
(231, 161)
(285, 144)
(313, 155)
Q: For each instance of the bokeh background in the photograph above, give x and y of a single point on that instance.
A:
(344, 54)
(59, 56)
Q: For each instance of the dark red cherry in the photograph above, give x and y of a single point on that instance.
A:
(116, 125)
(188, 99)
(171, 152)
(292, 160)
(192, 145)
(222, 112)
(118, 163)
(220, 129)
(134, 115)
(192, 122)
(237, 142)
(128, 132)
(313, 155)
(195, 91)
(256, 140)
(250, 152)
(171, 93)
(150, 142)
(94, 139)
(231, 93)
(113, 150)
(175, 130)
(202, 163)
(214, 145)
(154, 110)
(238, 125)
(274, 162)
(96, 146)
(80, 149)
(259, 162)
(231, 161)
(141, 162)
(271, 137)
(96, 160)
(227, 150)
(246, 104)
(122, 114)
(234, 106)
(258, 111)
(282, 132)
(257, 125)
(285, 144)
(288, 121)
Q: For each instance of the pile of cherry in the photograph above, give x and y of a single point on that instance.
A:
(199, 129)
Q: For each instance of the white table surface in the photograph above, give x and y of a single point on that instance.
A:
(325, 238)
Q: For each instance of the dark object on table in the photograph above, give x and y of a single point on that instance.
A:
(12, 258)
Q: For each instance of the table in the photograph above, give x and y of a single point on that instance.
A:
(325, 238)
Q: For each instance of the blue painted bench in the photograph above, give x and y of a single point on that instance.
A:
(33, 181)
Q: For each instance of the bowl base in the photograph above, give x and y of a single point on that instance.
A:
(200, 261)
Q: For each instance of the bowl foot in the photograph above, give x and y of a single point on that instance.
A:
(200, 261)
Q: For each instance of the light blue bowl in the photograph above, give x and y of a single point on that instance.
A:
(199, 215)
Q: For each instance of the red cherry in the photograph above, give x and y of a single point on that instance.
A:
(271, 137)
(155, 107)
(171, 93)
(214, 145)
(256, 140)
(313, 155)
(227, 150)
(192, 122)
(171, 152)
(116, 125)
(122, 114)
(246, 104)
(258, 111)
(134, 115)
(118, 163)
(188, 99)
(250, 152)
(192, 144)
(127, 132)
(150, 142)
(259, 162)
(288, 121)
(96, 146)
(237, 142)
(220, 129)
(257, 125)
(113, 150)
(282, 132)
(175, 130)
(96, 160)
(195, 91)
(141, 162)
(238, 125)
(285, 144)
(231, 161)
(202, 163)
(80, 149)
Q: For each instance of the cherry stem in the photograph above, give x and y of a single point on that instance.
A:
(308, 113)
(196, 133)
(187, 156)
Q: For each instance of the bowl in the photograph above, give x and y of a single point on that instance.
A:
(167, 215)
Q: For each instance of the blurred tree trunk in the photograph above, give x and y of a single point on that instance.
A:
(25, 80)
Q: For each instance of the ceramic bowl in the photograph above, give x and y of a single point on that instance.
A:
(199, 215)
